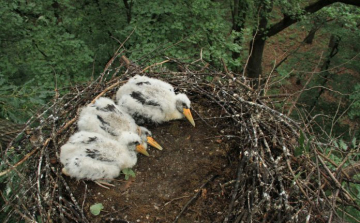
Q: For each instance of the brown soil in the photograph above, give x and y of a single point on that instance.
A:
(167, 180)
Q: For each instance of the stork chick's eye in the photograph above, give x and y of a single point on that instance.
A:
(134, 143)
(180, 106)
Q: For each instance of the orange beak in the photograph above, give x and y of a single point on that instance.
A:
(187, 113)
(142, 150)
(153, 143)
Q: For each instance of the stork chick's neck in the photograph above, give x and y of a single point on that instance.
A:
(173, 115)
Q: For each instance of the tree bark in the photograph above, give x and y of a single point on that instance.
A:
(128, 5)
(256, 48)
(311, 35)
(254, 68)
(314, 7)
(325, 75)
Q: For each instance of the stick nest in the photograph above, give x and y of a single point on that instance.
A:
(271, 183)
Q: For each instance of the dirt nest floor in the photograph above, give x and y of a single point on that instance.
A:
(167, 180)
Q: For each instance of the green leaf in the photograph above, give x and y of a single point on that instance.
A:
(298, 151)
(354, 142)
(95, 209)
(343, 145)
(128, 172)
(301, 139)
(209, 78)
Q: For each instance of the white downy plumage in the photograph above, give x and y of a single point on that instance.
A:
(151, 99)
(89, 155)
(106, 118)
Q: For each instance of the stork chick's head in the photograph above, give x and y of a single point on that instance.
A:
(133, 142)
(146, 138)
(103, 102)
(183, 106)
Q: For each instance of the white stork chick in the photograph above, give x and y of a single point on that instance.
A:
(150, 99)
(90, 155)
(106, 118)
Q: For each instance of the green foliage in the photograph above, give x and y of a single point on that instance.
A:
(18, 103)
(339, 75)
(355, 107)
(37, 46)
(128, 173)
(11, 183)
(51, 44)
(179, 29)
(95, 209)
(302, 148)
(348, 151)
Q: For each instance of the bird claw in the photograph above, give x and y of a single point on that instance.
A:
(104, 184)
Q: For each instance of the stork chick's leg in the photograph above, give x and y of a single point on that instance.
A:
(104, 184)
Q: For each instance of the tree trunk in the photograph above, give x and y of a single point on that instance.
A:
(128, 6)
(311, 35)
(325, 75)
(256, 49)
(254, 68)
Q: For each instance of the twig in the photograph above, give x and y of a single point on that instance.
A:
(239, 82)
(153, 65)
(194, 197)
(242, 163)
(266, 85)
(349, 215)
(306, 84)
(27, 156)
(67, 125)
(175, 199)
(106, 90)
(337, 184)
(116, 52)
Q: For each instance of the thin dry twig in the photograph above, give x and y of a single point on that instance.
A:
(305, 85)
(194, 198)
(154, 65)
